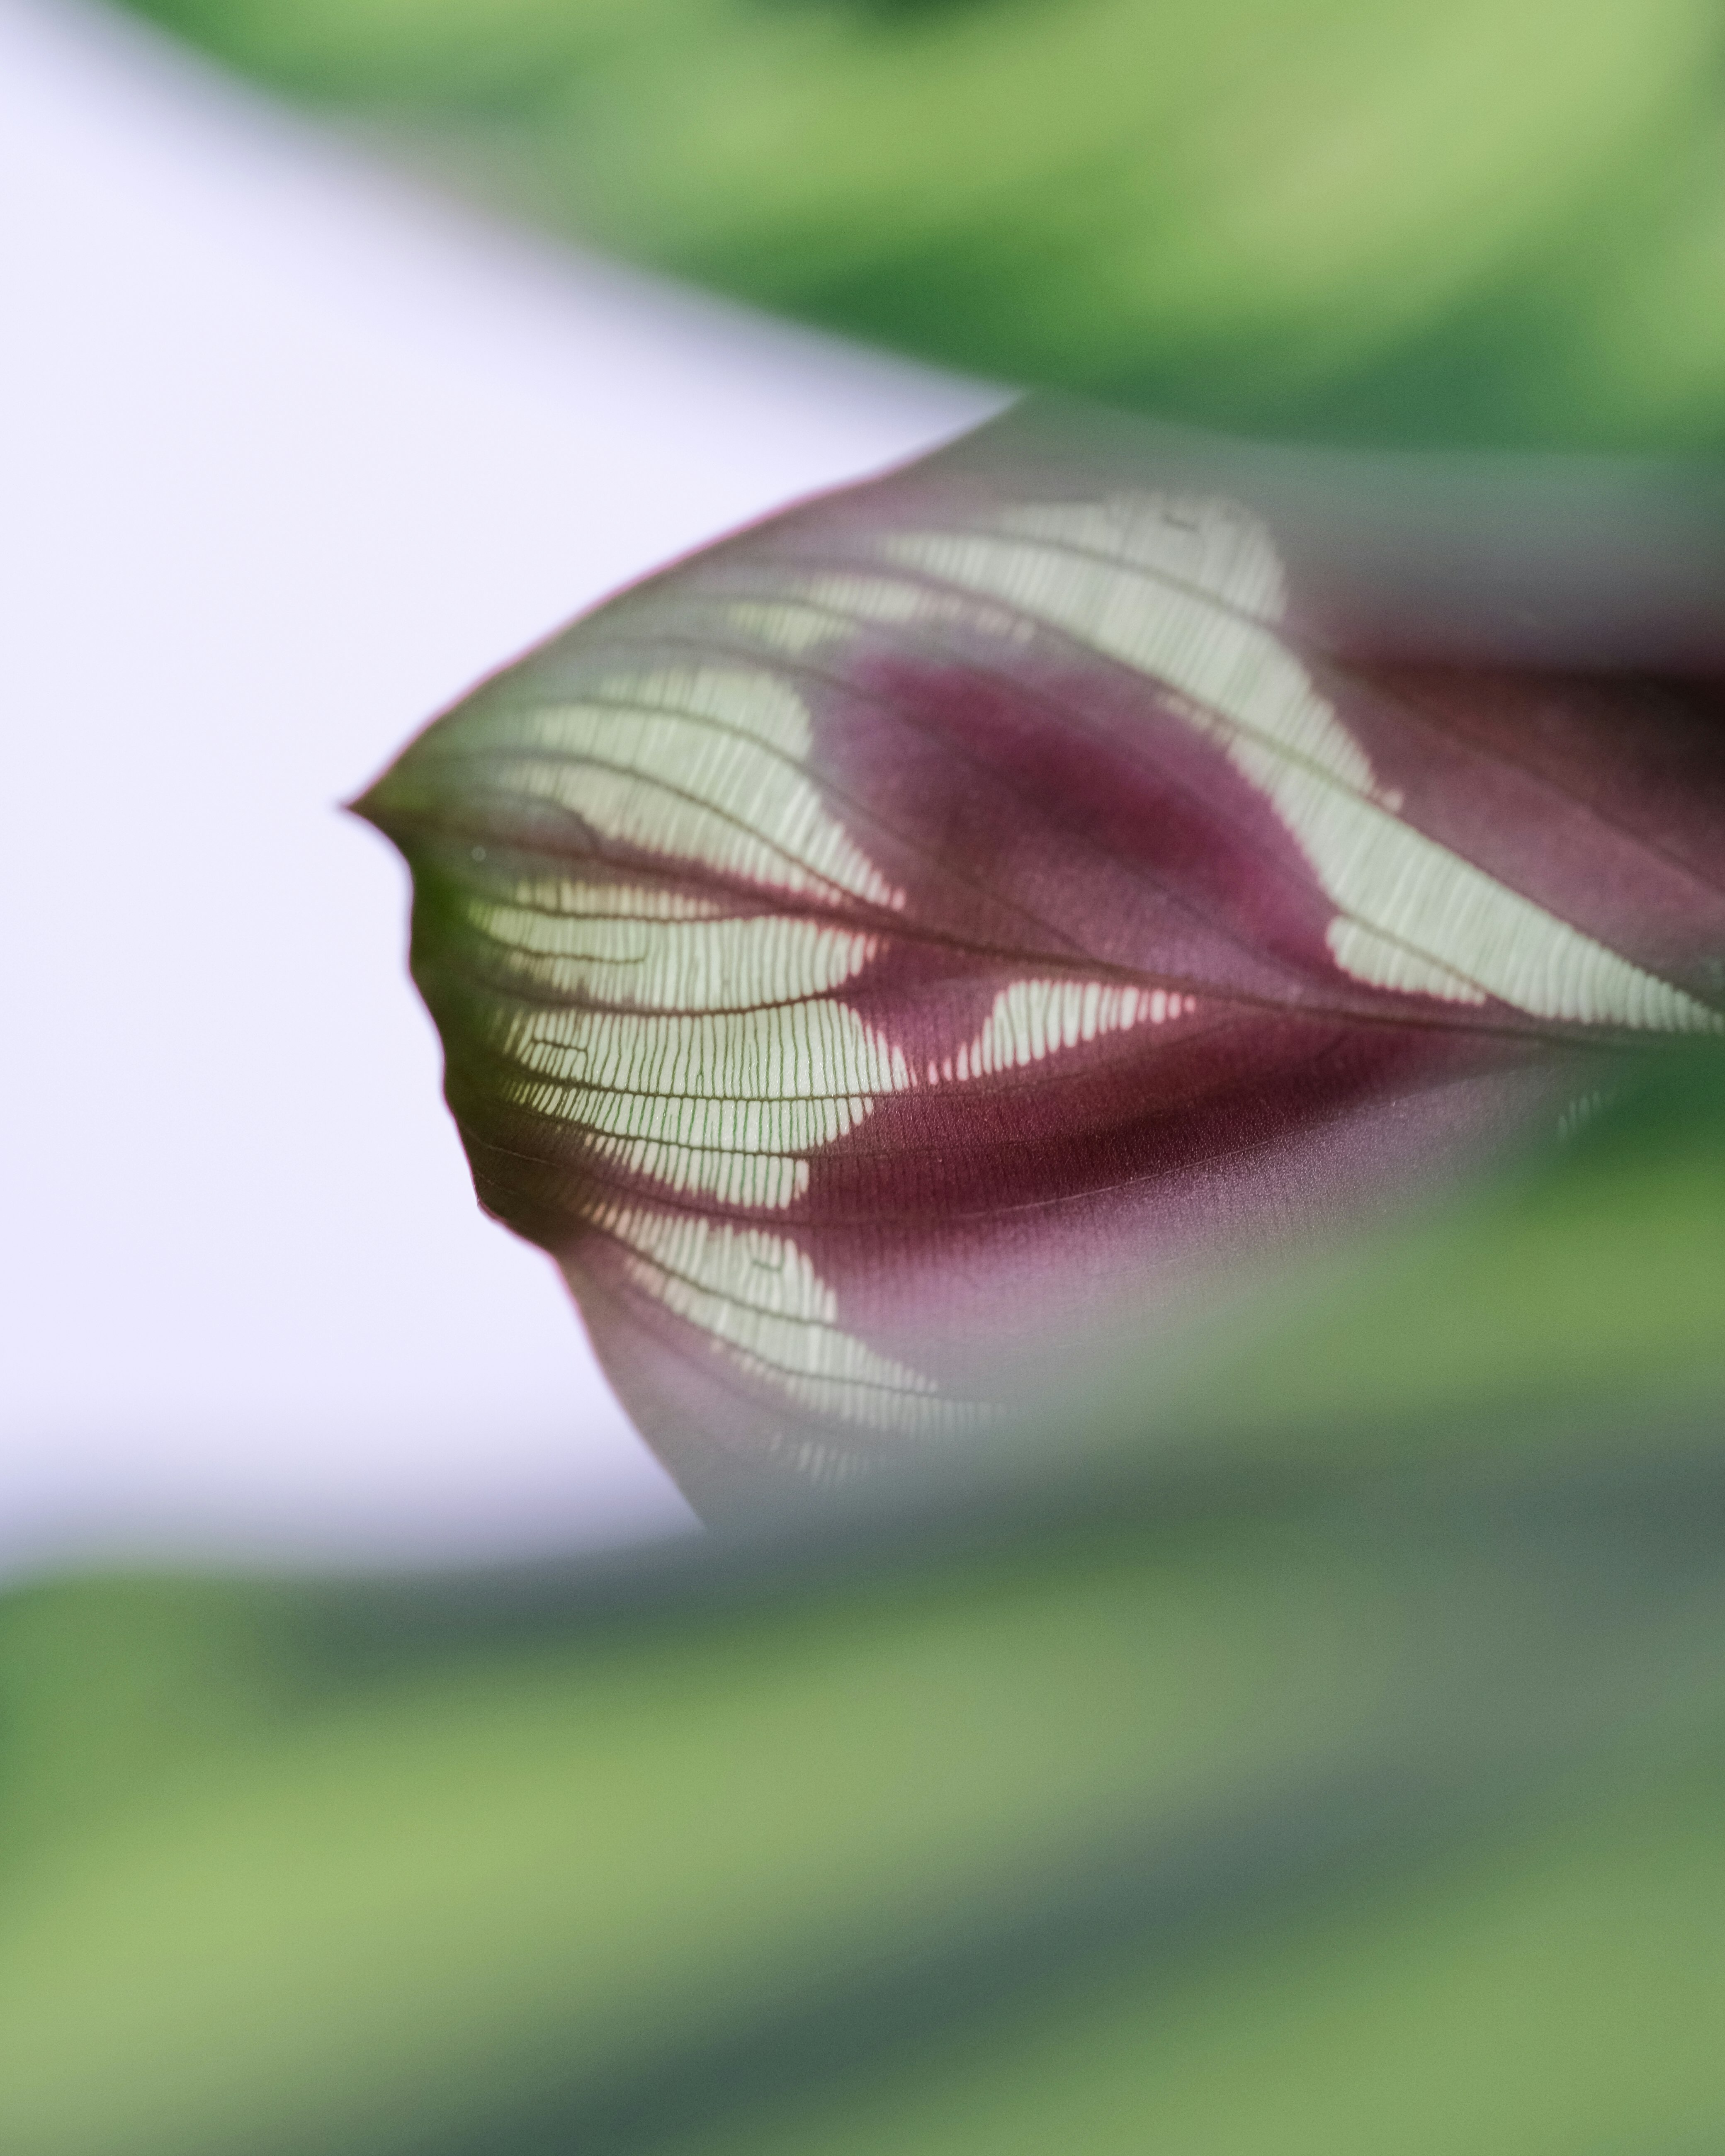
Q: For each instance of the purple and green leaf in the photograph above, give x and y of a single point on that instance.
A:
(895, 945)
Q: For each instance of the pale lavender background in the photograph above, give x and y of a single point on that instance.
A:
(290, 454)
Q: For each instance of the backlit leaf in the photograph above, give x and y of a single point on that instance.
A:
(887, 948)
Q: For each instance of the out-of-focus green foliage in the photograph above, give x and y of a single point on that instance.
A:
(1494, 221)
(1368, 1817)
(1334, 1807)
(1584, 1285)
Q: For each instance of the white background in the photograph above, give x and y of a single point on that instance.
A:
(291, 454)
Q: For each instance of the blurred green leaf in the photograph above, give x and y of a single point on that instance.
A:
(1577, 1287)
(1368, 1811)
(1487, 220)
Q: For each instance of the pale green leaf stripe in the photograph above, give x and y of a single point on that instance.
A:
(1417, 917)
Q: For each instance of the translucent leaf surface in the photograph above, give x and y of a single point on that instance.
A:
(893, 946)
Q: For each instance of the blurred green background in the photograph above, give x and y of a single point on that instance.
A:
(1483, 222)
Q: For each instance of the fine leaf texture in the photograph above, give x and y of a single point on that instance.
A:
(893, 948)
(1454, 221)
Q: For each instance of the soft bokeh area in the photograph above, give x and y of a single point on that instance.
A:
(296, 453)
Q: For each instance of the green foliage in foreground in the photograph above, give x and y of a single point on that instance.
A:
(1583, 1286)
(1487, 220)
(1366, 1796)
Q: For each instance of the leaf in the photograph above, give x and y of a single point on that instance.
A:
(1335, 1814)
(1577, 1290)
(879, 954)
(1465, 221)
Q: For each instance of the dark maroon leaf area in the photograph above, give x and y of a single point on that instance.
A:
(1070, 826)
(1078, 826)
(1051, 816)
(1601, 798)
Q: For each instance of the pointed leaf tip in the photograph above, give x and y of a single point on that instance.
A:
(889, 942)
